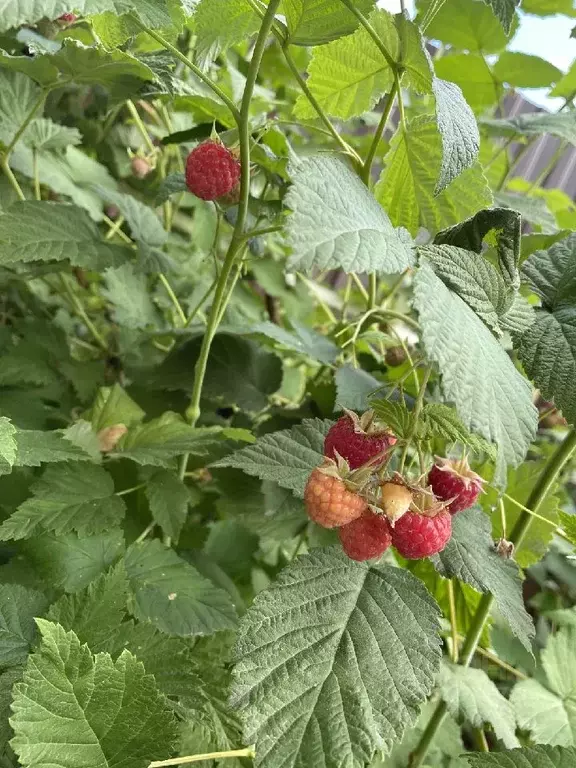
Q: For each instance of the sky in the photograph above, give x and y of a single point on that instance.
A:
(548, 37)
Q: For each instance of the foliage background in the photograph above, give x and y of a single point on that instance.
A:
(169, 368)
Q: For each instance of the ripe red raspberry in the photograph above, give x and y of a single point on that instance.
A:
(455, 482)
(328, 501)
(212, 171)
(357, 439)
(424, 530)
(67, 18)
(366, 537)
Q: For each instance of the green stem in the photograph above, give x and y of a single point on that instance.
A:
(316, 106)
(367, 166)
(193, 411)
(453, 620)
(37, 193)
(543, 485)
(141, 127)
(547, 170)
(260, 232)
(173, 298)
(77, 304)
(480, 739)
(373, 290)
(130, 490)
(415, 415)
(186, 61)
(248, 752)
(514, 164)
(15, 139)
(284, 45)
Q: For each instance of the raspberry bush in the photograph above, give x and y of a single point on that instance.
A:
(287, 387)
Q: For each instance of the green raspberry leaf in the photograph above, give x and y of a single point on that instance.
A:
(490, 395)
(34, 447)
(71, 562)
(546, 706)
(144, 224)
(519, 485)
(171, 594)
(154, 13)
(348, 76)
(407, 185)
(394, 414)
(354, 387)
(471, 557)
(472, 74)
(566, 86)
(8, 446)
(304, 340)
(559, 124)
(286, 457)
(552, 273)
(505, 11)
(239, 371)
(315, 22)
(45, 231)
(95, 612)
(169, 499)
(334, 648)
(106, 713)
(547, 348)
(438, 420)
(69, 497)
(473, 278)
(120, 73)
(506, 224)
(458, 131)
(464, 25)
(529, 757)
(568, 523)
(127, 291)
(159, 442)
(113, 405)
(19, 607)
(521, 70)
(336, 223)
(414, 57)
(221, 23)
(470, 694)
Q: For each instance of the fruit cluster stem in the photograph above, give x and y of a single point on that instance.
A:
(237, 241)
(546, 480)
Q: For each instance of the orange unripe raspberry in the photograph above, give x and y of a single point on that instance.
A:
(329, 503)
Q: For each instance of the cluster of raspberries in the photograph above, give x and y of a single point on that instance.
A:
(350, 491)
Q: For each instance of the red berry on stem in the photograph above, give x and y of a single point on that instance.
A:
(329, 502)
(67, 18)
(455, 482)
(366, 537)
(424, 530)
(357, 440)
(212, 171)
